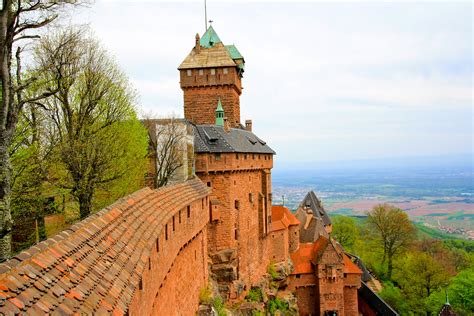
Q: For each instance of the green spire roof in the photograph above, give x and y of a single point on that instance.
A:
(219, 114)
(234, 52)
(209, 38)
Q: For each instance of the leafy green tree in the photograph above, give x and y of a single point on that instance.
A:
(345, 231)
(461, 292)
(94, 129)
(419, 277)
(392, 231)
(19, 22)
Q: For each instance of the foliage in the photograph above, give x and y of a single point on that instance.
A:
(205, 294)
(255, 295)
(392, 230)
(218, 304)
(345, 231)
(272, 271)
(461, 292)
(394, 297)
(94, 130)
(419, 276)
(277, 304)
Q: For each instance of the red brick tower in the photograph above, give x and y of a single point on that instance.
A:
(210, 72)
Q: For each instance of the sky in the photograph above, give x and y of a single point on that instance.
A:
(324, 81)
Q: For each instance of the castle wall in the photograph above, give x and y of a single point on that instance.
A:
(179, 291)
(237, 241)
(202, 89)
(350, 301)
(178, 254)
(279, 245)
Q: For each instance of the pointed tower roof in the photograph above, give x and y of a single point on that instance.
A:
(210, 38)
(213, 54)
(219, 114)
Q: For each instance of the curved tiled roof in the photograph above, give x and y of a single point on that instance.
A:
(95, 265)
(214, 139)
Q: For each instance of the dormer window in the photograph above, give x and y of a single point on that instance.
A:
(213, 71)
(189, 72)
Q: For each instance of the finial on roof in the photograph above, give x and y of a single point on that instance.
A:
(219, 113)
(197, 44)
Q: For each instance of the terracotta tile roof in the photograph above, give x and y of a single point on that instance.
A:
(349, 266)
(282, 218)
(306, 256)
(95, 266)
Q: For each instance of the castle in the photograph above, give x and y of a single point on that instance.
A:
(152, 252)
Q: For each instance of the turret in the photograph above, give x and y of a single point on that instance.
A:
(212, 71)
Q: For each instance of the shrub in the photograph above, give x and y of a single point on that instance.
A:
(255, 295)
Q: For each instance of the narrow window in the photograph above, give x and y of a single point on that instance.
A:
(140, 284)
(236, 234)
(237, 156)
(166, 231)
(158, 244)
(251, 197)
(298, 276)
(217, 156)
(149, 263)
(245, 156)
(226, 71)
(173, 224)
(253, 156)
(213, 71)
(209, 183)
(236, 204)
(180, 216)
(189, 72)
(201, 72)
(189, 211)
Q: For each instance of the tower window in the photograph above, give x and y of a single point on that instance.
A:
(217, 156)
(213, 71)
(226, 71)
(189, 72)
(201, 72)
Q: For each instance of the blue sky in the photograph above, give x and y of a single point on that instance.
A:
(324, 81)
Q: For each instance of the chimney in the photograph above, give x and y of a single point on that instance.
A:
(226, 125)
(248, 125)
(198, 45)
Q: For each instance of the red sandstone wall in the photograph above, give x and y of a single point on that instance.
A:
(307, 303)
(239, 180)
(170, 256)
(330, 290)
(201, 92)
(280, 245)
(294, 238)
(350, 301)
(179, 292)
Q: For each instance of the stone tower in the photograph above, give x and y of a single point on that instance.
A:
(210, 72)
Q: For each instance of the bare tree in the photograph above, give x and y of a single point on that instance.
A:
(94, 122)
(168, 149)
(392, 229)
(19, 20)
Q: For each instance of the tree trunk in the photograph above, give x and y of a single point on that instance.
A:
(85, 204)
(390, 268)
(5, 196)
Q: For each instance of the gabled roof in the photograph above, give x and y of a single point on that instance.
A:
(94, 266)
(349, 266)
(210, 38)
(214, 139)
(312, 201)
(282, 218)
(305, 257)
(311, 227)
